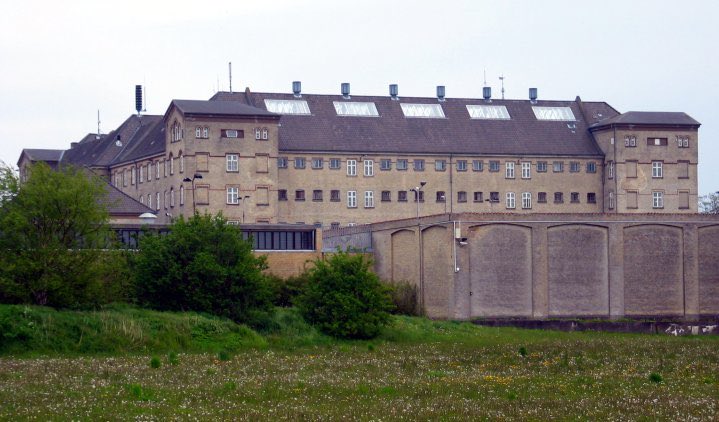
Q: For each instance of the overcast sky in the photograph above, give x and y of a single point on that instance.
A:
(61, 61)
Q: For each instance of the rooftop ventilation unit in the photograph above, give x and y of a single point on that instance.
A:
(440, 92)
(345, 90)
(138, 98)
(393, 91)
(487, 93)
(297, 88)
(533, 95)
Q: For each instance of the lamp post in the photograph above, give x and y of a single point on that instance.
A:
(416, 191)
(187, 179)
(242, 205)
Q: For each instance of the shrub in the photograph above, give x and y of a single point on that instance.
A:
(203, 265)
(344, 298)
(655, 377)
(155, 362)
(404, 297)
(286, 290)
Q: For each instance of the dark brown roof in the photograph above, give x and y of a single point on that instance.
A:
(216, 108)
(48, 155)
(118, 203)
(649, 118)
(391, 132)
(148, 141)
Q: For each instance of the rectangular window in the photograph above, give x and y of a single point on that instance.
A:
(574, 197)
(630, 141)
(510, 200)
(158, 201)
(402, 164)
(558, 166)
(591, 198)
(683, 169)
(683, 142)
(541, 166)
(591, 167)
(611, 200)
(368, 168)
(632, 199)
(461, 165)
(488, 112)
(402, 196)
(232, 133)
(300, 195)
(493, 196)
(258, 133)
(418, 165)
(658, 142)
(683, 199)
(631, 169)
(369, 199)
(282, 194)
(526, 200)
(282, 162)
(558, 197)
(317, 195)
(574, 166)
(317, 163)
(334, 195)
(657, 199)
(610, 169)
(526, 170)
(542, 197)
(198, 160)
(477, 165)
(287, 106)
(440, 165)
(335, 163)
(421, 196)
(385, 164)
(553, 113)
(478, 197)
(299, 162)
(509, 170)
(493, 165)
(351, 167)
(232, 162)
(461, 196)
(657, 169)
(386, 196)
(440, 196)
(351, 199)
(422, 110)
(355, 109)
(233, 195)
(142, 174)
(133, 175)
(265, 134)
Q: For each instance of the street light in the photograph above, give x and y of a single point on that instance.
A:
(416, 191)
(187, 179)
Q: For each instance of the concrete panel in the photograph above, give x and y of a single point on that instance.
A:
(500, 264)
(438, 273)
(653, 270)
(578, 271)
(405, 256)
(709, 270)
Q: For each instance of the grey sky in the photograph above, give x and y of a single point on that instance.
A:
(61, 61)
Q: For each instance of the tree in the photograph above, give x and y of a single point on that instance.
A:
(52, 228)
(344, 298)
(203, 265)
(709, 204)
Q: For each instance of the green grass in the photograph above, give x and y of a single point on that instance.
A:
(417, 369)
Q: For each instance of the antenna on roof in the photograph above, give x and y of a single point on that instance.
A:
(230, 77)
(501, 78)
(485, 77)
(97, 135)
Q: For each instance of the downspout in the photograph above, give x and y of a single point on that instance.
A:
(614, 172)
(451, 186)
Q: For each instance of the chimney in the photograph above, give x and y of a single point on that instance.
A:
(138, 98)
(487, 93)
(533, 95)
(73, 145)
(346, 90)
(297, 88)
(440, 92)
(393, 91)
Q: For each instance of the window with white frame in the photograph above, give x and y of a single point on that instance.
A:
(509, 170)
(206, 132)
(369, 199)
(335, 163)
(351, 167)
(265, 133)
(142, 174)
(233, 163)
(440, 165)
(158, 203)
(172, 197)
(510, 200)
(610, 169)
(461, 165)
(157, 169)
(611, 200)
(657, 199)
(233, 195)
(165, 199)
(133, 175)
(149, 200)
(258, 133)
(317, 163)
(351, 199)
(172, 165)
(526, 170)
(182, 162)
(182, 195)
(526, 200)
(198, 132)
(630, 141)
(282, 162)
(657, 170)
(369, 167)
(683, 141)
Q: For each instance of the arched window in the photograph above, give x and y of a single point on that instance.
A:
(157, 199)
(264, 133)
(149, 200)
(164, 198)
(205, 132)
(172, 197)
(182, 195)
(182, 162)
(176, 132)
(172, 165)
(198, 132)
(142, 199)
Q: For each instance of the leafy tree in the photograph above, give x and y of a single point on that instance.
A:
(52, 228)
(203, 265)
(709, 204)
(344, 298)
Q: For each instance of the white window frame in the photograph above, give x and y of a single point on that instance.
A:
(526, 200)
(657, 199)
(232, 163)
(172, 197)
(610, 170)
(351, 199)
(157, 169)
(265, 133)
(526, 170)
(182, 195)
(133, 175)
(351, 167)
(198, 132)
(510, 202)
(142, 174)
(369, 168)
(611, 200)
(233, 195)
(657, 169)
(258, 134)
(149, 201)
(369, 199)
(158, 204)
(172, 165)
(509, 170)
(205, 132)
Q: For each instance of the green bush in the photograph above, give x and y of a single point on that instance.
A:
(286, 290)
(344, 298)
(203, 265)
(404, 297)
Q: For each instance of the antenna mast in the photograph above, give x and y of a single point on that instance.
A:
(485, 77)
(501, 78)
(97, 136)
(230, 77)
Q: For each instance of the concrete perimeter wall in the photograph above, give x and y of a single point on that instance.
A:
(555, 265)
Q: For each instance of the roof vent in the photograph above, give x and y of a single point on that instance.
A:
(138, 98)
(345, 90)
(297, 88)
(533, 95)
(440, 92)
(487, 93)
(118, 141)
(393, 91)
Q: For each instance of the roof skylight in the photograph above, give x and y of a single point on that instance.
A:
(287, 106)
(488, 112)
(554, 113)
(430, 111)
(355, 109)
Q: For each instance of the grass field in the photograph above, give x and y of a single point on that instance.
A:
(418, 369)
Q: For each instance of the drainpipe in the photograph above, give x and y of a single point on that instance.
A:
(614, 174)
(451, 187)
